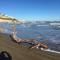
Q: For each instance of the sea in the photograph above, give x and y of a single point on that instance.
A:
(41, 32)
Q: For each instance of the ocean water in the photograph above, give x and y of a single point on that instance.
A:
(42, 33)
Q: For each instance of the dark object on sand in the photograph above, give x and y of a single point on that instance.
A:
(4, 55)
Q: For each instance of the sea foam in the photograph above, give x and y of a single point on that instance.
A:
(49, 50)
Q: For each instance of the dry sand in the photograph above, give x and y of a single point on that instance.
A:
(23, 53)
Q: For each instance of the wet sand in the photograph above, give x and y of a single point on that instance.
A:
(19, 52)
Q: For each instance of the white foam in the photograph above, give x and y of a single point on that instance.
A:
(49, 50)
(42, 25)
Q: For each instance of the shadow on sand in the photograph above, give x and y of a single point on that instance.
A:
(4, 55)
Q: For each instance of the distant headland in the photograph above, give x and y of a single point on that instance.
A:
(8, 19)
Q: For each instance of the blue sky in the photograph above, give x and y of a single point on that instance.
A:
(31, 9)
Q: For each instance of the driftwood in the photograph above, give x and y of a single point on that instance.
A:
(41, 45)
(34, 43)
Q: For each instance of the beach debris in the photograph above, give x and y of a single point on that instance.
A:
(34, 43)
(39, 45)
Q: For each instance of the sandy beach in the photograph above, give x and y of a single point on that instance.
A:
(19, 52)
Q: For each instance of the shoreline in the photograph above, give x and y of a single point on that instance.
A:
(19, 52)
(49, 50)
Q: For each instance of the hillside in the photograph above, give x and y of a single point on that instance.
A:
(8, 19)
